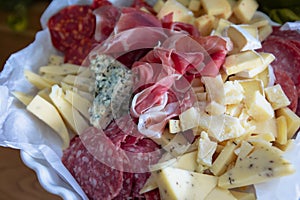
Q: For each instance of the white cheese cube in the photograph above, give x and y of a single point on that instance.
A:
(174, 126)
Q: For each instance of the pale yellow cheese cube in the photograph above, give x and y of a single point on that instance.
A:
(234, 92)
(250, 86)
(184, 2)
(245, 9)
(180, 12)
(158, 5)
(221, 26)
(292, 120)
(276, 97)
(216, 7)
(258, 21)
(281, 130)
(205, 24)
(260, 109)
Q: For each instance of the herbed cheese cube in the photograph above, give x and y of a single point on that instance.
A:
(174, 126)
(276, 97)
(244, 10)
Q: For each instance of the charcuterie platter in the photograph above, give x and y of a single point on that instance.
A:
(157, 100)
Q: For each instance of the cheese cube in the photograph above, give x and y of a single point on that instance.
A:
(234, 110)
(276, 97)
(189, 119)
(234, 92)
(258, 21)
(242, 39)
(241, 61)
(281, 130)
(260, 109)
(184, 2)
(214, 88)
(266, 59)
(244, 10)
(176, 183)
(214, 108)
(205, 24)
(158, 5)
(264, 163)
(180, 12)
(226, 156)
(250, 86)
(216, 7)
(221, 26)
(292, 120)
(267, 127)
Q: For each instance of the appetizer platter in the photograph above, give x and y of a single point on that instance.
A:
(175, 99)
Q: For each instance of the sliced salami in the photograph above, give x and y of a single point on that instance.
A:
(96, 179)
(70, 25)
(125, 193)
(152, 195)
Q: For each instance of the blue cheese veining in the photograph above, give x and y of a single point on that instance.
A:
(113, 89)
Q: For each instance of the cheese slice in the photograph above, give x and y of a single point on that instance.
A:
(24, 98)
(46, 112)
(176, 183)
(70, 115)
(78, 102)
(264, 163)
(60, 70)
(81, 83)
(52, 79)
(36, 80)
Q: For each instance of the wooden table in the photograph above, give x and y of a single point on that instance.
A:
(17, 181)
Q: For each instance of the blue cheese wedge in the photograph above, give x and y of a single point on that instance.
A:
(113, 89)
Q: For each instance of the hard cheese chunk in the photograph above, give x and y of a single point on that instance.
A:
(36, 80)
(182, 184)
(292, 120)
(276, 97)
(260, 108)
(264, 163)
(245, 9)
(48, 114)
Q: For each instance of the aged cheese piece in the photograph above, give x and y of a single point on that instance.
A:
(226, 156)
(234, 92)
(245, 9)
(276, 97)
(189, 119)
(49, 114)
(250, 86)
(24, 98)
(194, 5)
(260, 109)
(220, 193)
(176, 183)
(265, 162)
(70, 115)
(292, 120)
(264, 32)
(36, 80)
(78, 102)
(205, 24)
(214, 88)
(180, 12)
(158, 5)
(221, 27)
(214, 108)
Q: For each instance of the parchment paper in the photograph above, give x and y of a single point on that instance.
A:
(40, 146)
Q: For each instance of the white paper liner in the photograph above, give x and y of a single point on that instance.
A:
(40, 146)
